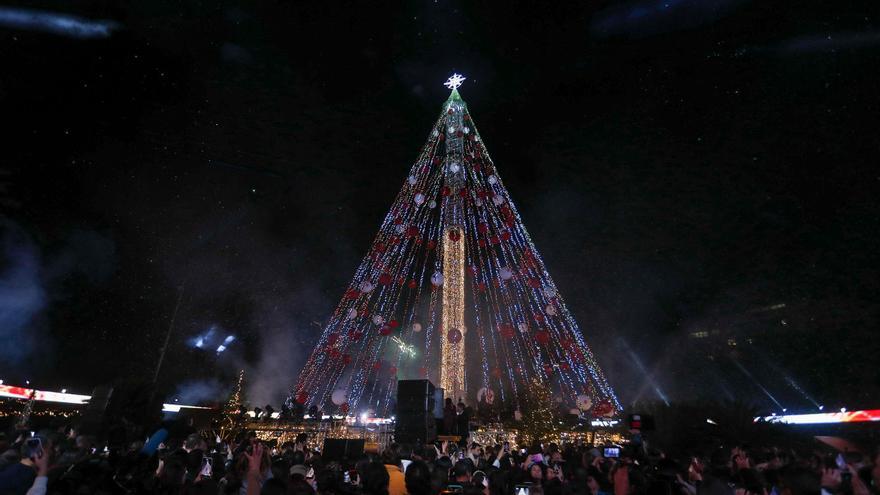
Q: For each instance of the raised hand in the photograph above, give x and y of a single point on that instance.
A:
(255, 460)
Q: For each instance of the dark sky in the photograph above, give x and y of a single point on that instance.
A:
(682, 165)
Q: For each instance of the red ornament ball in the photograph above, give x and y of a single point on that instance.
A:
(385, 279)
(412, 284)
(302, 397)
(393, 324)
(445, 191)
(506, 330)
(454, 235)
(454, 335)
(344, 408)
(542, 336)
(534, 283)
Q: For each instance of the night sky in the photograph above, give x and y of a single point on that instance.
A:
(683, 166)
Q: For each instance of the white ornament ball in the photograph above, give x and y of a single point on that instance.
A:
(437, 279)
(451, 129)
(551, 310)
(477, 138)
(454, 167)
(505, 273)
(417, 327)
(466, 129)
(523, 327)
(492, 180)
(584, 402)
(419, 198)
(550, 292)
(339, 396)
(367, 286)
(432, 204)
(400, 228)
(498, 200)
(435, 133)
(352, 314)
(378, 320)
(412, 180)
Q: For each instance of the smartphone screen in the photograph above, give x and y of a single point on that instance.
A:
(521, 490)
(34, 447)
(612, 452)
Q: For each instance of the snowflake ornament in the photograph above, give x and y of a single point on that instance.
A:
(454, 81)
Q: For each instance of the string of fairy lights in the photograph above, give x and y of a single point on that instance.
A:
(452, 289)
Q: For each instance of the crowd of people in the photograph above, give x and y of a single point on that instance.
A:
(64, 462)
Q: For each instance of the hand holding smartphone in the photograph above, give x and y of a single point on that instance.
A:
(207, 467)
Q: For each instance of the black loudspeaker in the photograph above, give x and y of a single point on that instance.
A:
(93, 415)
(128, 403)
(414, 428)
(415, 412)
(342, 450)
(414, 396)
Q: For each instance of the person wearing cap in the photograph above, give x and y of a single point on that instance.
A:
(299, 470)
(481, 480)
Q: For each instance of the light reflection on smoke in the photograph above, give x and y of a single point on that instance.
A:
(56, 23)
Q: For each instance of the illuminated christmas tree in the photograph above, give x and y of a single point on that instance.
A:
(24, 419)
(453, 290)
(231, 419)
(540, 419)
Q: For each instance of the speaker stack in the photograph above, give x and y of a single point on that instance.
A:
(415, 421)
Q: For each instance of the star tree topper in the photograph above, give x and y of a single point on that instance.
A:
(454, 81)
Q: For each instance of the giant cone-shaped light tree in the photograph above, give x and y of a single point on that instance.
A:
(453, 290)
